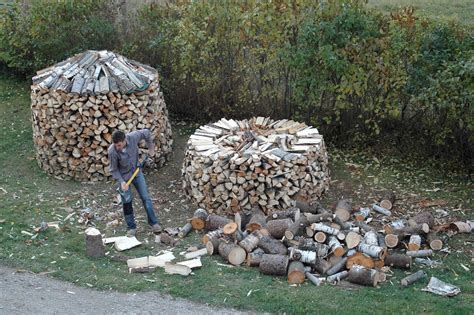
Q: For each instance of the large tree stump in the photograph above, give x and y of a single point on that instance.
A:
(94, 245)
(362, 275)
(296, 272)
(275, 265)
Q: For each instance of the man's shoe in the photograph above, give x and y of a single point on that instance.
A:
(131, 232)
(156, 228)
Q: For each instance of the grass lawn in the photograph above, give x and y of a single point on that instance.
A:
(29, 196)
(460, 11)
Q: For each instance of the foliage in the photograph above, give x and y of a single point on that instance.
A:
(362, 77)
(35, 34)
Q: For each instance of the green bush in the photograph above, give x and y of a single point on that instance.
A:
(362, 77)
(35, 34)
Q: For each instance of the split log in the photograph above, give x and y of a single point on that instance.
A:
(414, 243)
(196, 253)
(337, 266)
(314, 280)
(434, 241)
(388, 200)
(296, 273)
(173, 269)
(381, 210)
(398, 261)
(337, 276)
(278, 227)
(271, 245)
(192, 263)
(257, 220)
(250, 242)
(360, 259)
(77, 104)
(420, 274)
(230, 166)
(232, 253)
(335, 245)
(362, 214)
(420, 253)
(199, 219)
(343, 210)
(353, 240)
(364, 276)
(215, 222)
(185, 230)
(276, 265)
(422, 217)
(94, 245)
(254, 258)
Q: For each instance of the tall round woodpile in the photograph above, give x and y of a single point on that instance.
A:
(231, 165)
(78, 103)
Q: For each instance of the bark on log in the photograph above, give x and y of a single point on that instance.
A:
(337, 276)
(254, 258)
(395, 225)
(398, 261)
(343, 210)
(250, 242)
(185, 230)
(94, 245)
(460, 227)
(364, 276)
(291, 213)
(381, 210)
(338, 266)
(295, 229)
(391, 240)
(420, 253)
(296, 272)
(316, 218)
(321, 266)
(388, 200)
(414, 243)
(215, 222)
(335, 245)
(271, 245)
(305, 256)
(199, 218)
(371, 238)
(276, 265)
(422, 217)
(278, 227)
(232, 253)
(372, 250)
(362, 214)
(314, 280)
(420, 274)
(257, 220)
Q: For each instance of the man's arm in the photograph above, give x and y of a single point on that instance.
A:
(145, 134)
(114, 167)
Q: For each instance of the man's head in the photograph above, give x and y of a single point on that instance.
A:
(118, 138)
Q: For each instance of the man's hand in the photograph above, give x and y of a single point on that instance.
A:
(124, 186)
(151, 151)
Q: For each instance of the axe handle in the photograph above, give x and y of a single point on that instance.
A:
(135, 173)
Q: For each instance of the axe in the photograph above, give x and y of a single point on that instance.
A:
(135, 173)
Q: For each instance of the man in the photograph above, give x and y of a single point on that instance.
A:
(123, 157)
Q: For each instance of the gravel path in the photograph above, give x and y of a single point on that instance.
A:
(28, 293)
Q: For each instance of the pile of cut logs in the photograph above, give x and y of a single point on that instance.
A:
(230, 165)
(310, 242)
(78, 103)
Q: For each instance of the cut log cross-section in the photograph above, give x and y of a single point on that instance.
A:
(388, 200)
(343, 210)
(365, 276)
(232, 253)
(199, 218)
(94, 245)
(296, 272)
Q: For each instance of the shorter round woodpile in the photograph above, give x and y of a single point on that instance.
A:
(310, 242)
(78, 103)
(231, 165)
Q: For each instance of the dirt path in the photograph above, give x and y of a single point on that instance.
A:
(28, 293)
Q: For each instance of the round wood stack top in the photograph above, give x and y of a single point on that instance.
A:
(231, 165)
(96, 72)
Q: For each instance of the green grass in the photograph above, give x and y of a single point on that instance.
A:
(33, 196)
(459, 11)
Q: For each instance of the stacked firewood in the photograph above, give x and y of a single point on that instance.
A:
(78, 103)
(230, 165)
(310, 242)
